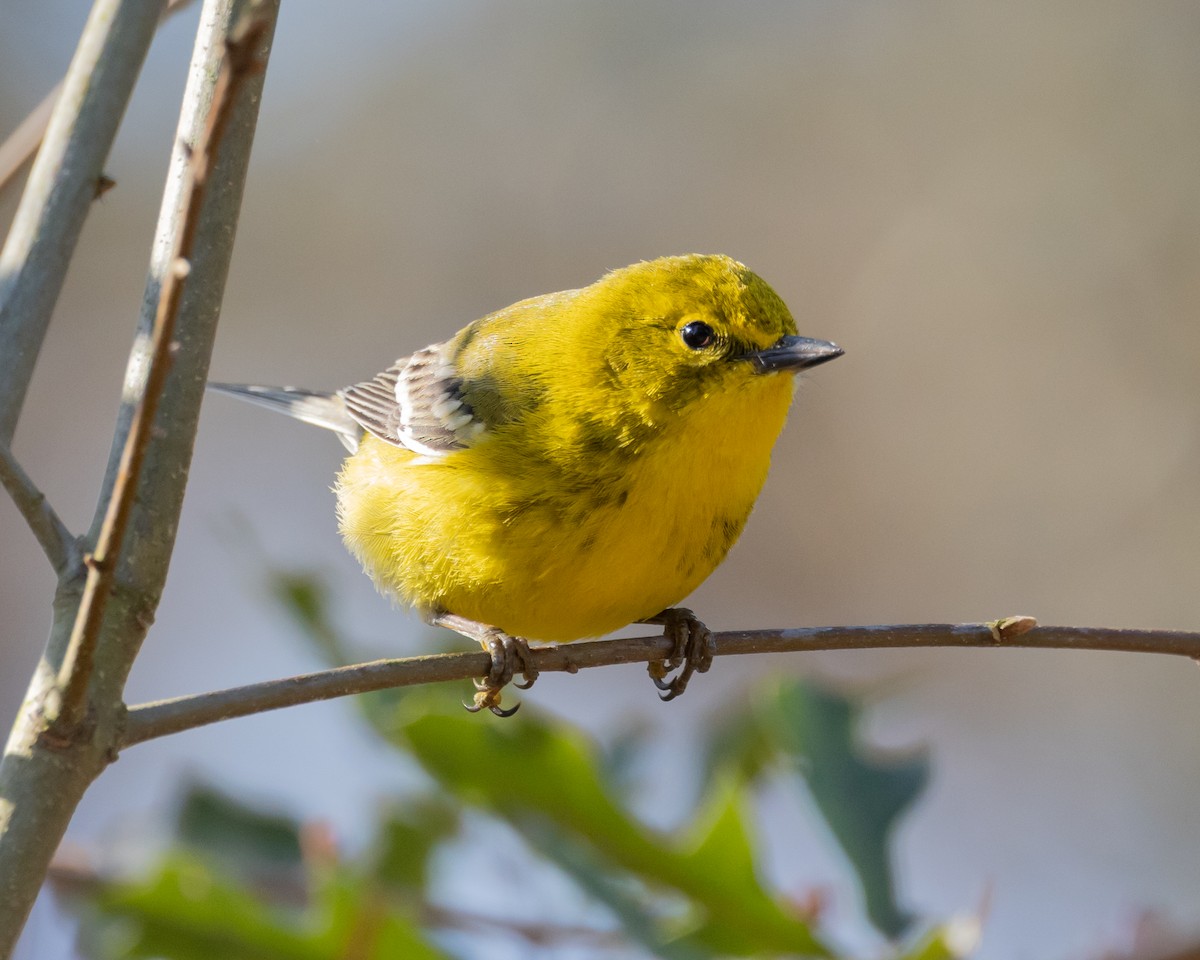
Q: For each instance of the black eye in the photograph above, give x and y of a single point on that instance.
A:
(697, 335)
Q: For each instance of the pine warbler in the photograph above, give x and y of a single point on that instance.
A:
(570, 464)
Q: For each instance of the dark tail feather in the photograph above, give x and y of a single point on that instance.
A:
(325, 410)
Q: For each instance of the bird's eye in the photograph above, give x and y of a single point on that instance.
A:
(698, 335)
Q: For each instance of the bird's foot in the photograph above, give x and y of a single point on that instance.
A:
(692, 652)
(510, 656)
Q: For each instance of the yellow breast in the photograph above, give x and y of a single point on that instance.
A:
(550, 556)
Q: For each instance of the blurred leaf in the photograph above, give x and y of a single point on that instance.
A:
(362, 925)
(305, 598)
(861, 794)
(719, 840)
(533, 774)
(950, 941)
(530, 771)
(220, 827)
(186, 912)
(742, 745)
(721, 848)
(621, 761)
(622, 895)
(407, 837)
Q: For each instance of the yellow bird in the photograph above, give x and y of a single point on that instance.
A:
(570, 464)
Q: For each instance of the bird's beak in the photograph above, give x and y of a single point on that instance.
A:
(794, 353)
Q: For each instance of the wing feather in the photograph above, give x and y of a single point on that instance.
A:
(417, 403)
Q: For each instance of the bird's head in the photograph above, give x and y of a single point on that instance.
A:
(678, 329)
(685, 343)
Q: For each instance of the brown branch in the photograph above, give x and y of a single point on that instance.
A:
(43, 775)
(61, 185)
(58, 543)
(20, 145)
(538, 934)
(76, 671)
(150, 720)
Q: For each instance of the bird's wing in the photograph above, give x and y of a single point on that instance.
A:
(417, 403)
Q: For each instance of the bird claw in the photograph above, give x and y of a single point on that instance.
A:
(510, 655)
(491, 700)
(692, 651)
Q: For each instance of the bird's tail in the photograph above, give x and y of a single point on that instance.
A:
(326, 410)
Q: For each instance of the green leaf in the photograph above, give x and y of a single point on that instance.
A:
(236, 834)
(621, 762)
(186, 911)
(359, 923)
(955, 940)
(860, 793)
(525, 770)
(529, 771)
(636, 912)
(409, 834)
(740, 744)
(305, 598)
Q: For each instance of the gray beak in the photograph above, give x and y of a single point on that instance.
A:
(794, 353)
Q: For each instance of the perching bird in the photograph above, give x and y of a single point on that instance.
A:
(571, 463)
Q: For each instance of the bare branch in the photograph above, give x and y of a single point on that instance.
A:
(76, 671)
(23, 142)
(150, 720)
(43, 774)
(537, 934)
(62, 185)
(58, 543)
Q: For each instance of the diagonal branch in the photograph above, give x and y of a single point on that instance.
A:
(58, 543)
(43, 773)
(75, 673)
(23, 142)
(62, 185)
(150, 720)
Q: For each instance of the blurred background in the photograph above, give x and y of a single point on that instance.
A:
(994, 208)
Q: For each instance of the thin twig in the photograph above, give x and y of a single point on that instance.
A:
(540, 934)
(75, 674)
(62, 185)
(44, 775)
(150, 720)
(58, 543)
(20, 145)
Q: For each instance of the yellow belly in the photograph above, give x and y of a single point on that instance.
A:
(541, 557)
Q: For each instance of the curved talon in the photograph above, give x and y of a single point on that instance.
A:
(510, 655)
(494, 707)
(692, 651)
